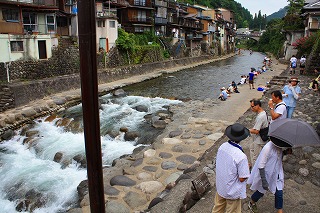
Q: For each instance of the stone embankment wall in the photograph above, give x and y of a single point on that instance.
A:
(20, 93)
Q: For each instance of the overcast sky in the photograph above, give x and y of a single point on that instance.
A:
(266, 6)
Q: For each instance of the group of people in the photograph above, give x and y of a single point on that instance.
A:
(225, 93)
(294, 63)
(232, 165)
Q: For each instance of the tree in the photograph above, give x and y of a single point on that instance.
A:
(125, 42)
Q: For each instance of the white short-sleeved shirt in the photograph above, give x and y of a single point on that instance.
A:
(261, 122)
(231, 164)
(281, 109)
(270, 158)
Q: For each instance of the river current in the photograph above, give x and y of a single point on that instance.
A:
(26, 169)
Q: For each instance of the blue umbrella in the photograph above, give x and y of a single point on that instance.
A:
(294, 132)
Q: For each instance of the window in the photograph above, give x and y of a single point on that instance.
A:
(142, 15)
(10, 15)
(140, 2)
(30, 22)
(16, 46)
(101, 23)
(112, 24)
(51, 24)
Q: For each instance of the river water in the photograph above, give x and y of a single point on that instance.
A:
(29, 170)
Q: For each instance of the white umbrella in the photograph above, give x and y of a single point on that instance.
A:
(294, 132)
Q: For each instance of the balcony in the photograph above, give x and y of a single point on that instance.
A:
(314, 25)
(141, 20)
(160, 21)
(35, 2)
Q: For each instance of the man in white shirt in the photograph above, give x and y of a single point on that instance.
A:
(278, 109)
(232, 170)
(293, 64)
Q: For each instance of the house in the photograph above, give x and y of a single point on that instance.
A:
(106, 26)
(137, 16)
(311, 14)
(160, 19)
(27, 29)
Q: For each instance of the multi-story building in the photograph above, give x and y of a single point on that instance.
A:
(137, 16)
(27, 29)
(311, 14)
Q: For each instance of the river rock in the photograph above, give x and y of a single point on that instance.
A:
(159, 124)
(134, 200)
(28, 112)
(316, 165)
(150, 168)
(171, 141)
(31, 133)
(304, 172)
(144, 176)
(131, 136)
(186, 159)
(121, 180)
(8, 134)
(82, 189)
(10, 118)
(166, 165)
(165, 155)
(58, 157)
(215, 136)
(141, 108)
(186, 136)
(113, 206)
(181, 148)
(316, 156)
(175, 133)
(112, 191)
(149, 153)
(150, 187)
(59, 100)
(154, 161)
(137, 162)
(119, 93)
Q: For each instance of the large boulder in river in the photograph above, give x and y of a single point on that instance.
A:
(119, 93)
(141, 108)
(131, 136)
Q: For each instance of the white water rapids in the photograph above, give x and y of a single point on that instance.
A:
(24, 167)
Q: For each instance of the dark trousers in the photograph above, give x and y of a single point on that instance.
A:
(278, 198)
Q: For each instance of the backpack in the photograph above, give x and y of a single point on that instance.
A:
(264, 132)
(294, 64)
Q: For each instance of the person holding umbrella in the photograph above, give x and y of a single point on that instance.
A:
(291, 93)
(267, 174)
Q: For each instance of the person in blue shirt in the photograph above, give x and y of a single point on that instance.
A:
(251, 77)
(223, 95)
(291, 94)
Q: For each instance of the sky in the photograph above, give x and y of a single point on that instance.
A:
(266, 6)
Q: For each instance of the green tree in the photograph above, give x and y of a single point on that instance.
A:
(125, 42)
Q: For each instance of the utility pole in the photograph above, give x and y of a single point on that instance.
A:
(89, 93)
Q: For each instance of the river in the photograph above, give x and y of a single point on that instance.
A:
(28, 172)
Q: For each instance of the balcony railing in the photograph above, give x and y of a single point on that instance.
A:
(159, 20)
(146, 20)
(36, 2)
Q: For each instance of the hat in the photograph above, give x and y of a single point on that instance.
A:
(237, 132)
(279, 143)
(223, 88)
(294, 79)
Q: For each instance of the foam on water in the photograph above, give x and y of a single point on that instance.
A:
(25, 167)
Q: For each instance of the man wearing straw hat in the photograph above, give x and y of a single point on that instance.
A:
(232, 170)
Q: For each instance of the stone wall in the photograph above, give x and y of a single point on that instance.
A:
(65, 60)
(20, 93)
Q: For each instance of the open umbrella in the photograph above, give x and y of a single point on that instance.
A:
(294, 132)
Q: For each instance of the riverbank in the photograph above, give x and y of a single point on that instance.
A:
(15, 118)
(137, 180)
